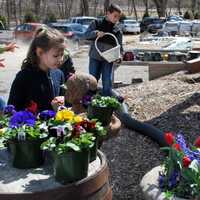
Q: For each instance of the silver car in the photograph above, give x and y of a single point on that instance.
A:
(130, 26)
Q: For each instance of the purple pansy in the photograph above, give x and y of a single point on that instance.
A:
(47, 114)
(86, 100)
(22, 118)
(193, 155)
(9, 110)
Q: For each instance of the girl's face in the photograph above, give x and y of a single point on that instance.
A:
(113, 17)
(50, 59)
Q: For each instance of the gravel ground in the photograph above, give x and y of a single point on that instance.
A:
(170, 103)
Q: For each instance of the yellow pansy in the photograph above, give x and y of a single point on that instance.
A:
(64, 115)
(68, 115)
(59, 116)
(78, 119)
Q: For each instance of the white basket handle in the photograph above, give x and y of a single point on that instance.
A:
(95, 43)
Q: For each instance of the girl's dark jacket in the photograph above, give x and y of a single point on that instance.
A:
(35, 85)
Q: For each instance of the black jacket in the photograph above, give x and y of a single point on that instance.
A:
(35, 85)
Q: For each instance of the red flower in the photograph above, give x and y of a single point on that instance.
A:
(169, 138)
(32, 107)
(177, 147)
(186, 161)
(197, 142)
(91, 124)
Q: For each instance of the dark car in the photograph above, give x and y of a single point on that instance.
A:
(71, 30)
(26, 31)
(151, 24)
(174, 18)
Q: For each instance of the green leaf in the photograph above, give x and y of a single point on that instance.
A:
(73, 146)
(194, 165)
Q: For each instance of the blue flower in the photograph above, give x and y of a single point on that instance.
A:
(193, 155)
(22, 118)
(161, 181)
(47, 114)
(173, 179)
(9, 110)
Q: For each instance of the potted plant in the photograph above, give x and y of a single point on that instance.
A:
(180, 176)
(98, 131)
(71, 145)
(24, 136)
(102, 107)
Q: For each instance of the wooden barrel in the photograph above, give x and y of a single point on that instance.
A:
(39, 184)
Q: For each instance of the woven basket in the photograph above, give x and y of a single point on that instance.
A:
(112, 54)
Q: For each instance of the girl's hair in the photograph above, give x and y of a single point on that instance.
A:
(45, 38)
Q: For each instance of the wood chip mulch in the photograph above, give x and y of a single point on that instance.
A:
(171, 103)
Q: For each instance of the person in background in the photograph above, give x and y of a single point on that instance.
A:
(9, 47)
(67, 67)
(38, 82)
(97, 65)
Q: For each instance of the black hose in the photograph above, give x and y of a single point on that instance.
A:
(140, 127)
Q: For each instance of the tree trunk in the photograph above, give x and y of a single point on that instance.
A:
(37, 4)
(20, 11)
(161, 6)
(193, 6)
(96, 2)
(8, 13)
(135, 10)
(146, 4)
(178, 3)
(106, 6)
(14, 11)
(84, 7)
(68, 8)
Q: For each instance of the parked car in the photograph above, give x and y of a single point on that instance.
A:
(71, 30)
(196, 28)
(151, 24)
(84, 20)
(171, 27)
(185, 27)
(26, 31)
(174, 18)
(130, 26)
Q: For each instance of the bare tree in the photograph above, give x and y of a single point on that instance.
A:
(161, 6)
(193, 6)
(178, 5)
(8, 12)
(84, 7)
(96, 2)
(106, 5)
(37, 6)
(146, 4)
(131, 7)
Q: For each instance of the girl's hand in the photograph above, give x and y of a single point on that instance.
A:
(1, 63)
(11, 47)
(58, 101)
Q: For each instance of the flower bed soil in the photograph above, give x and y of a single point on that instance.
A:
(170, 103)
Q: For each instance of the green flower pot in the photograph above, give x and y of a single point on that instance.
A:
(26, 154)
(103, 114)
(93, 150)
(71, 166)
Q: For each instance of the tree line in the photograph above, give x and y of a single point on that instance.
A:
(41, 10)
